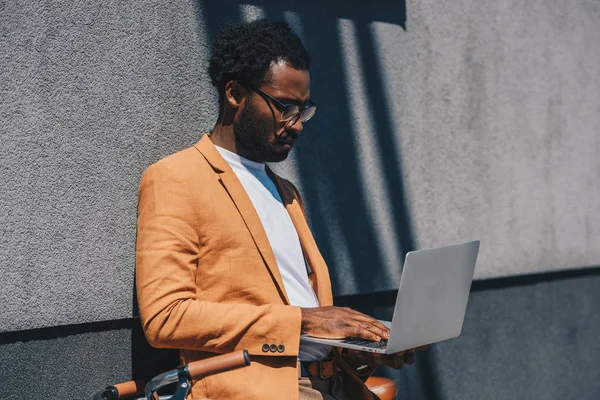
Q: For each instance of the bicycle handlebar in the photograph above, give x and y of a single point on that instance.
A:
(130, 388)
(215, 365)
(194, 370)
(122, 390)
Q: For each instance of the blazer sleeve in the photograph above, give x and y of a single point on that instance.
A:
(167, 254)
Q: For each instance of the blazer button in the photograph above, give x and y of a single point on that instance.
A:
(265, 348)
(273, 348)
(281, 348)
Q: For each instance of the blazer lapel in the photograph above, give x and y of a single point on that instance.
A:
(245, 207)
(318, 273)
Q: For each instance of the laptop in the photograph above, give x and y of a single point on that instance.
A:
(431, 302)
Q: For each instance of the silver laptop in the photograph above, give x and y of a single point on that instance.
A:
(431, 302)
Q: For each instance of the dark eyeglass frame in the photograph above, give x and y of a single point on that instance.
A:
(290, 112)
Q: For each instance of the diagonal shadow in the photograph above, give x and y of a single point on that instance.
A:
(327, 165)
(338, 196)
(385, 136)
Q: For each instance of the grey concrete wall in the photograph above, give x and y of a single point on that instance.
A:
(475, 120)
(71, 367)
(77, 361)
(92, 93)
(498, 111)
(439, 122)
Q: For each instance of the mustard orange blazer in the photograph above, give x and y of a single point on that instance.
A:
(207, 280)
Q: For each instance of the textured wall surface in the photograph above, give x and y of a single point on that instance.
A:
(475, 120)
(460, 122)
(439, 122)
(72, 367)
(499, 122)
(91, 95)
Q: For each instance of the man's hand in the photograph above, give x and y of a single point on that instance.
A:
(357, 358)
(340, 323)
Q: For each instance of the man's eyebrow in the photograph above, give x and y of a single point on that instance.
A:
(289, 100)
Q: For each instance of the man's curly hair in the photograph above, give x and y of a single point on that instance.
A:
(244, 52)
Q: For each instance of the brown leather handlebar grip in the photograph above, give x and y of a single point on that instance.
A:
(218, 364)
(131, 388)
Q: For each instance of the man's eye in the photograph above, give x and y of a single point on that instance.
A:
(289, 111)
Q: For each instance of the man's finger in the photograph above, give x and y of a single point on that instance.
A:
(396, 355)
(409, 357)
(379, 325)
(383, 333)
(397, 363)
(361, 332)
(361, 318)
(367, 327)
(358, 316)
(378, 328)
(395, 360)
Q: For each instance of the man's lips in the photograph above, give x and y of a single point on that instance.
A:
(286, 143)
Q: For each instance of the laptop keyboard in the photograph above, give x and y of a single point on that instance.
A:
(382, 344)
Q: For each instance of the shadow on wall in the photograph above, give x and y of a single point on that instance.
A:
(328, 164)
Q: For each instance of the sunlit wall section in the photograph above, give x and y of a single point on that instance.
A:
(496, 111)
(91, 94)
(368, 158)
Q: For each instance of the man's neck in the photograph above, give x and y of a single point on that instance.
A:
(222, 136)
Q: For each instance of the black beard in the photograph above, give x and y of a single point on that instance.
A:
(251, 133)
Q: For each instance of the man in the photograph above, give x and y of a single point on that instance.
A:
(225, 258)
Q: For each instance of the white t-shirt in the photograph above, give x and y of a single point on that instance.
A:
(282, 236)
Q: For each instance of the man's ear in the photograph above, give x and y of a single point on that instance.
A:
(234, 94)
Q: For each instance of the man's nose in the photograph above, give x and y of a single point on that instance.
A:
(295, 125)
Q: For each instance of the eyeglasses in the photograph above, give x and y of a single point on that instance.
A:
(291, 113)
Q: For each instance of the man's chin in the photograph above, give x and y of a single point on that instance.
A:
(277, 156)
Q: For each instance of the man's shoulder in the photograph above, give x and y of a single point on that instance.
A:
(287, 188)
(183, 162)
(283, 182)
